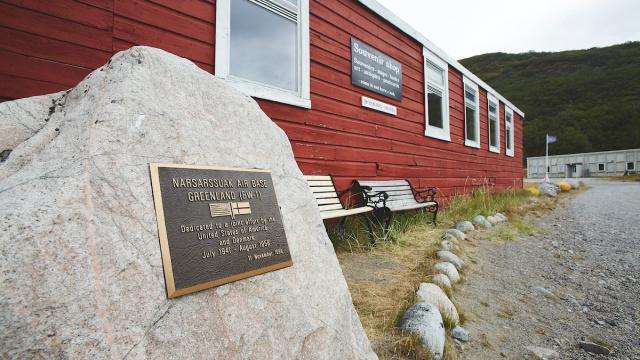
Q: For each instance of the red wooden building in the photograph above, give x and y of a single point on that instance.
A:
(359, 93)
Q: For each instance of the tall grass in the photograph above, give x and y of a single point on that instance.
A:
(383, 278)
(485, 201)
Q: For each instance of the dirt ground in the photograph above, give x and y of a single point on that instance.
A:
(577, 280)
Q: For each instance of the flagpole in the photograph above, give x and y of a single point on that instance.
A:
(546, 160)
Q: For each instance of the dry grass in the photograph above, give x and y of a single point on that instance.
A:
(634, 177)
(383, 278)
(383, 282)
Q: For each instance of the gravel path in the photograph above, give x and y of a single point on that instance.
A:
(588, 258)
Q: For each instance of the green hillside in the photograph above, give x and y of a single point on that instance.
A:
(589, 99)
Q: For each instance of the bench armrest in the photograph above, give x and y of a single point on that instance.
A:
(424, 195)
(376, 200)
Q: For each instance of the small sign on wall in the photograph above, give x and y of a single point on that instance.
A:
(378, 105)
(375, 71)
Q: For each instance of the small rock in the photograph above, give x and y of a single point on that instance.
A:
(452, 258)
(448, 245)
(424, 320)
(549, 189)
(501, 216)
(465, 226)
(575, 184)
(555, 244)
(449, 237)
(457, 233)
(481, 221)
(460, 334)
(543, 353)
(493, 220)
(441, 280)
(433, 294)
(542, 291)
(448, 269)
(594, 348)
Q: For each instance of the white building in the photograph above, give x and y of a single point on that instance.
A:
(605, 163)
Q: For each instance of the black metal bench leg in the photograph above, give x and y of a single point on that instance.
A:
(370, 228)
(435, 213)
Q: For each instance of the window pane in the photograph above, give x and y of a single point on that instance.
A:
(493, 108)
(263, 46)
(434, 104)
(470, 117)
(509, 138)
(470, 95)
(435, 73)
(493, 131)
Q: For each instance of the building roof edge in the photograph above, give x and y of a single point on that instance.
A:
(396, 21)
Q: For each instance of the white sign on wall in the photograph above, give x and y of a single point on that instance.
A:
(378, 105)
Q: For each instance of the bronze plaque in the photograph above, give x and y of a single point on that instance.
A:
(216, 225)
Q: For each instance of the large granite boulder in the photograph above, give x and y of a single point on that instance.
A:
(82, 273)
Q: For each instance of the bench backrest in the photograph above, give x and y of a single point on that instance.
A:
(324, 191)
(399, 191)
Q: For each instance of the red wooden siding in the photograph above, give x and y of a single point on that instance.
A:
(48, 48)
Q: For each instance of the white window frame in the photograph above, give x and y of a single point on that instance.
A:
(434, 131)
(467, 83)
(492, 99)
(299, 98)
(508, 131)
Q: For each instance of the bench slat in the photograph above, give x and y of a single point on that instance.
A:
(325, 195)
(340, 213)
(318, 189)
(319, 183)
(330, 207)
(327, 201)
(399, 197)
(374, 183)
(409, 206)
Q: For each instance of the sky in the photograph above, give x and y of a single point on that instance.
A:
(464, 28)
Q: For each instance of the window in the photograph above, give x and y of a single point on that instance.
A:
(601, 167)
(631, 166)
(471, 114)
(494, 124)
(534, 169)
(436, 79)
(262, 48)
(560, 168)
(508, 131)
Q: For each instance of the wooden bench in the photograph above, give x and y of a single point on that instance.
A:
(330, 205)
(401, 196)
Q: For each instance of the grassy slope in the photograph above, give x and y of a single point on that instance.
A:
(589, 99)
